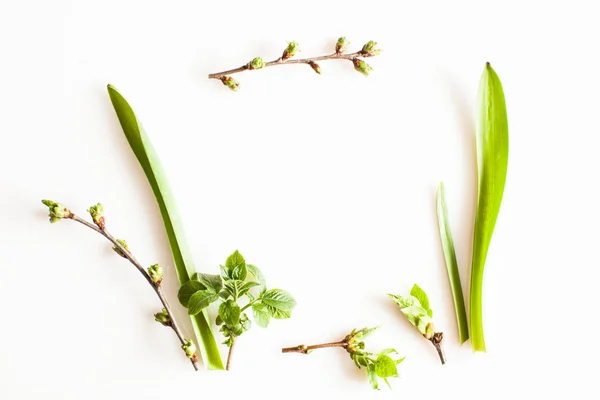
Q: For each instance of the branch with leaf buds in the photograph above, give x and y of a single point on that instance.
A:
(153, 274)
(379, 365)
(368, 50)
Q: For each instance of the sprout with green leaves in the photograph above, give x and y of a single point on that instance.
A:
(417, 311)
(230, 288)
(378, 365)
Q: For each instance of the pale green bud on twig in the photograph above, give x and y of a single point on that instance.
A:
(57, 211)
(117, 250)
(163, 317)
(370, 50)
(341, 45)
(156, 273)
(315, 67)
(362, 66)
(256, 63)
(290, 51)
(97, 214)
(190, 348)
(230, 83)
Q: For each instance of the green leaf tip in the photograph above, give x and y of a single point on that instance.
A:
(492, 165)
(451, 264)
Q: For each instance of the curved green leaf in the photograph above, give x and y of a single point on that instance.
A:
(492, 164)
(452, 265)
(144, 152)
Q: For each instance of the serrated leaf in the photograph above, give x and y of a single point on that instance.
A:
(200, 300)
(236, 266)
(187, 290)
(279, 303)
(420, 295)
(212, 282)
(492, 164)
(184, 266)
(229, 312)
(452, 265)
(258, 275)
(261, 315)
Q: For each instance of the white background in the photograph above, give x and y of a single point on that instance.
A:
(327, 183)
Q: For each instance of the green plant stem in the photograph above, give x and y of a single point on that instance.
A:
(304, 349)
(234, 340)
(281, 61)
(156, 286)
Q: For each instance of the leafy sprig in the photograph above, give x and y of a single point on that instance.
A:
(378, 365)
(417, 311)
(233, 288)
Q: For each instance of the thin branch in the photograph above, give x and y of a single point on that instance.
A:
(304, 349)
(234, 338)
(436, 340)
(156, 286)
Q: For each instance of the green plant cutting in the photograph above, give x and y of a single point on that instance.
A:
(184, 265)
(233, 286)
(378, 365)
(417, 311)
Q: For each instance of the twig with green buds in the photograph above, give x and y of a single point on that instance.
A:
(416, 309)
(153, 274)
(368, 50)
(379, 365)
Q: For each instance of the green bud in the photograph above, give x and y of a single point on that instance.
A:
(256, 63)
(230, 83)
(156, 273)
(163, 317)
(370, 50)
(123, 243)
(362, 66)
(97, 214)
(315, 67)
(190, 348)
(341, 45)
(57, 211)
(290, 50)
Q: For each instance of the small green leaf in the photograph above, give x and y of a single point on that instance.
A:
(229, 312)
(404, 301)
(387, 351)
(236, 266)
(258, 275)
(245, 322)
(364, 332)
(385, 367)
(200, 300)
(414, 314)
(372, 375)
(420, 295)
(261, 314)
(398, 361)
(212, 282)
(279, 303)
(237, 288)
(187, 290)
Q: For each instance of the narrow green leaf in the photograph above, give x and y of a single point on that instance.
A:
(372, 375)
(229, 312)
(144, 152)
(492, 165)
(187, 290)
(200, 300)
(452, 265)
(261, 315)
(420, 295)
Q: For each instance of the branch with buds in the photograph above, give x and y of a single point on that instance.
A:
(368, 50)
(153, 274)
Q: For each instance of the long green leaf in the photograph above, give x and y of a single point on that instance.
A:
(452, 265)
(143, 150)
(492, 164)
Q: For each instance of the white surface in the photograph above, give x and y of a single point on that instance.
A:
(326, 182)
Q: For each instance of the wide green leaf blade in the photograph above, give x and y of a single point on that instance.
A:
(144, 152)
(452, 265)
(492, 164)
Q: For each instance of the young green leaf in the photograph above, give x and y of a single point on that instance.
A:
(261, 314)
(404, 301)
(212, 282)
(146, 155)
(420, 295)
(187, 290)
(452, 265)
(385, 367)
(200, 300)
(492, 165)
(258, 275)
(229, 312)
(279, 303)
(236, 266)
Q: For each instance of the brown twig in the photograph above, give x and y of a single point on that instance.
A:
(281, 61)
(436, 340)
(156, 286)
(230, 352)
(304, 349)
